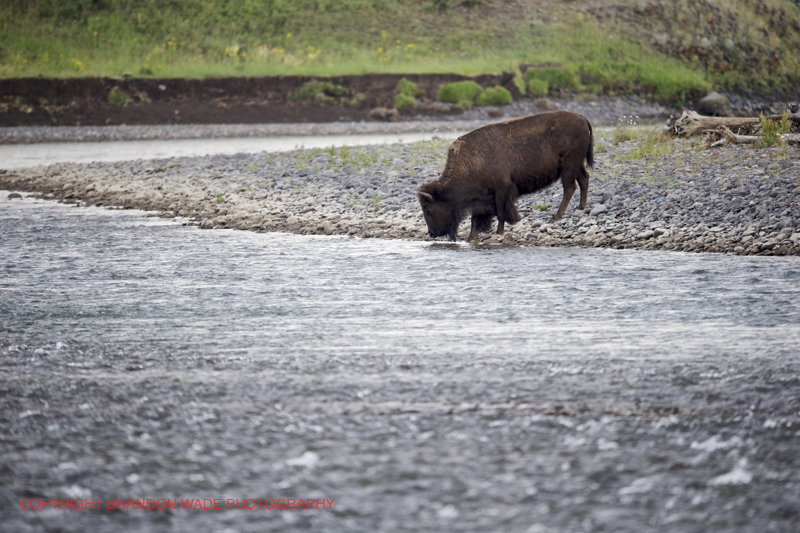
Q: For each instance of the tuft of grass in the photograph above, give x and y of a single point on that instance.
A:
(495, 96)
(559, 78)
(540, 207)
(118, 96)
(324, 91)
(538, 87)
(462, 93)
(405, 102)
(409, 88)
(771, 130)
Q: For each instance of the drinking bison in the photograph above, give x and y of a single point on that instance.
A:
(489, 168)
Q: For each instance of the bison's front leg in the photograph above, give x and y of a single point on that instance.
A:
(473, 230)
(480, 224)
(507, 209)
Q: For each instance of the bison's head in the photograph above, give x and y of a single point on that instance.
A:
(438, 215)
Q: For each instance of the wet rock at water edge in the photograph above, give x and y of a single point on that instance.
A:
(14, 196)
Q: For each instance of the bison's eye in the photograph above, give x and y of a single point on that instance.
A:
(429, 210)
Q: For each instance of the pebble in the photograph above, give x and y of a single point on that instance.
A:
(736, 199)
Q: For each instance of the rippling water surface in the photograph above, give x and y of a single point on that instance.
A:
(393, 362)
(78, 274)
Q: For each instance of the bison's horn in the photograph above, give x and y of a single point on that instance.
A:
(426, 195)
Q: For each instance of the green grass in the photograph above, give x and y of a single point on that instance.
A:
(405, 102)
(652, 143)
(118, 96)
(409, 88)
(208, 38)
(494, 96)
(462, 93)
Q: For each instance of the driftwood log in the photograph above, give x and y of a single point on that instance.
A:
(728, 137)
(691, 122)
(791, 138)
(722, 136)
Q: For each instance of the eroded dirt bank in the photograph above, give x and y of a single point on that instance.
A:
(254, 100)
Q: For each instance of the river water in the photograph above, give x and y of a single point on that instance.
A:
(422, 386)
(28, 155)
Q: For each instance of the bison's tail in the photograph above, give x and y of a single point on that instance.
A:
(590, 151)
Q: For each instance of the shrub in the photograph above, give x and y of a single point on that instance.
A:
(312, 89)
(118, 96)
(557, 78)
(462, 93)
(771, 130)
(409, 88)
(405, 102)
(495, 96)
(538, 87)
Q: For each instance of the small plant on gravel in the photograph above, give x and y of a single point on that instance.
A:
(771, 130)
(462, 93)
(541, 206)
(495, 96)
(220, 198)
(653, 143)
(600, 148)
(625, 129)
(118, 96)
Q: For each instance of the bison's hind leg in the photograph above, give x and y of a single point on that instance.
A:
(568, 179)
(583, 183)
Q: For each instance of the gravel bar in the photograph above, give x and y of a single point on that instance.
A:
(736, 199)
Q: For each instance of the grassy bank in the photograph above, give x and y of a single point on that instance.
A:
(326, 37)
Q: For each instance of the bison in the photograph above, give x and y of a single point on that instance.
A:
(489, 168)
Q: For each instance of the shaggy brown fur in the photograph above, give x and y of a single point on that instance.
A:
(489, 168)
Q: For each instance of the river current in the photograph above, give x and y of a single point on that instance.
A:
(424, 385)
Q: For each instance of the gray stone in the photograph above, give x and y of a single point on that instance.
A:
(546, 104)
(715, 104)
(599, 209)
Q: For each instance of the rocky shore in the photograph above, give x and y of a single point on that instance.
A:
(737, 199)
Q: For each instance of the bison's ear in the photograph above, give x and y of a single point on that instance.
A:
(424, 198)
